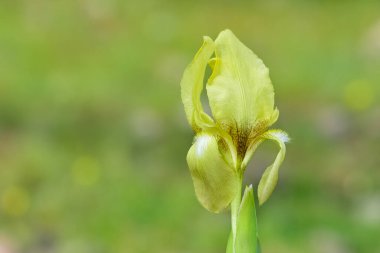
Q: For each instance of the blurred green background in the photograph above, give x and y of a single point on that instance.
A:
(93, 135)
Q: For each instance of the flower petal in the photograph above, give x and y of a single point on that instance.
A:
(192, 86)
(269, 179)
(239, 90)
(215, 182)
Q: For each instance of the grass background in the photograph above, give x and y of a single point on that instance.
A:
(93, 136)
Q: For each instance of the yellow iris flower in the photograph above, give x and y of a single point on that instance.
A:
(241, 99)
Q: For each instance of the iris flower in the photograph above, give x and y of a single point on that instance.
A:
(241, 98)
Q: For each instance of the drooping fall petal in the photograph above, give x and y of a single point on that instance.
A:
(215, 182)
(269, 179)
(240, 91)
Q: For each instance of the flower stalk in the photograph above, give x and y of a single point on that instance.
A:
(235, 205)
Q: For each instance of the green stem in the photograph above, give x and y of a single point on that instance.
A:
(235, 205)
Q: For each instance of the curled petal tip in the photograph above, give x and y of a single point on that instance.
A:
(281, 135)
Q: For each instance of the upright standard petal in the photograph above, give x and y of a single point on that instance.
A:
(215, 182)
(192, 86)
(239, 90)
(269, 179)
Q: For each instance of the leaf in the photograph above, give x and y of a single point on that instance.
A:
(270, 177)
(240, 91)
(215, 182)
(246, 231)
(192, 86)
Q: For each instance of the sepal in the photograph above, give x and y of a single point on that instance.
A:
(215, 182)
(270, 177)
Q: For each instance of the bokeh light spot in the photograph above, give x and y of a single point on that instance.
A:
(15, 201)
(359, 95)
(85, 171)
